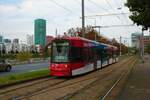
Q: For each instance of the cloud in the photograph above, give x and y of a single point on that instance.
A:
(19, 17)
(7, 10)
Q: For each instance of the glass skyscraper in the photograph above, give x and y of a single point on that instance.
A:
(1, 39)
(40, 32)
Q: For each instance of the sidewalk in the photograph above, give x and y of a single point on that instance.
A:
(137, 86)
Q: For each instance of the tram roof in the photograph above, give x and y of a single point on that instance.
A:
(97, 44)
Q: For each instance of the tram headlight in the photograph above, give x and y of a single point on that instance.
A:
(66, 66)
(52, 65)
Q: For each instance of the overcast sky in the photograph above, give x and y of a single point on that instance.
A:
(17, 16)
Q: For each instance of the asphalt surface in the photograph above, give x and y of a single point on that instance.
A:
(27, 68)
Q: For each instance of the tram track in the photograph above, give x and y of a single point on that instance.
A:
(46, 85)
(69, 84)
(61, 84)
(34, 83)
(71, 96)
(31, 93)
(117, 82)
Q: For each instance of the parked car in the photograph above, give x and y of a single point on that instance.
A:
(5, 66)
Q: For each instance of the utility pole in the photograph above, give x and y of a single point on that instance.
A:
(83, 20)
(149, 33)
(1, 48)
(98, 32)
(56, 32)
(120, 45)
(124, 42)
(142, 51)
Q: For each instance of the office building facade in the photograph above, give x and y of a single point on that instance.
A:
(30, 40)
(15, 41)
(7, 40)
(1, 39)
(40, 32)
(135, 38)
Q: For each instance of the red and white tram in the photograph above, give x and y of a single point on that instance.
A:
(74, 56)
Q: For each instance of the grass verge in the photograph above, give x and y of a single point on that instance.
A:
(22, 77)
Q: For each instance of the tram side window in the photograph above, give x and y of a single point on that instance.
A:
(85, 53)
(110, 53)
(76, 54)
(104, 54)
(115, 54)
(98, 53)
(95, 54)
(90, 54)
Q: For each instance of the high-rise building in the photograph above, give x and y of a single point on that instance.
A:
(29, 40)
(40, 32)
(15, 41)
(7, 41)
(49, 39)
(135, 38)
(2, 48)
(8, 47)
(1, 38)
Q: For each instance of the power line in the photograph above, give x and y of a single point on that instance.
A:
(120, 8)
(107, 14)
(113, 10)
(113, 26)
(109, 4)
(97, 5)
(89, 10)
(59, 5)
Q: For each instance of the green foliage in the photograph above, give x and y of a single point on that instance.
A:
(13, 78)
(6, 56)
(35, 55)
(148, 49)
(24, 56)
(140, 12)
(133, 50)
(47, 52)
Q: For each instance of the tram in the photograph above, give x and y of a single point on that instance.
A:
(72, 56)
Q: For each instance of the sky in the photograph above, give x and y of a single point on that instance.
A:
(17, 17)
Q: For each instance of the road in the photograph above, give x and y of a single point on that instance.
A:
(26, 68)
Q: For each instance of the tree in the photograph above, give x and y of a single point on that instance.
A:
(74, 32)
(148, 48)
(140, 12)
(90, 33)
(24, 56)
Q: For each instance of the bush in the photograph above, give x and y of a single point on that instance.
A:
(148, 49)
(24, 56)
(8, 56)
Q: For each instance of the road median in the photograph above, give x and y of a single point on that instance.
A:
(14, 79)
